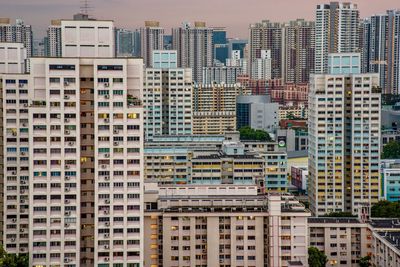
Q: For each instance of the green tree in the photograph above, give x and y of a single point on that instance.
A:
(386, 209)
(316, 258)
(247, 133)
(13, 260)
(391, 150)
(365, 261)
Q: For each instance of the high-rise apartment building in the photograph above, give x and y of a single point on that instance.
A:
(336, 31)
(344, 138)
(261, 67)
(381, 49)
(266, 35)
(53, 46)
(152, 38)
(214, 108)
(167, 98)
(221, 74)
(81, 37)
(74, 161)
(18, 33)
(195, 47)
(124, 42)
(299, 50)
(12, 58)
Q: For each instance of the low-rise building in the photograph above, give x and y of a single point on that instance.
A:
(224, 225)
(390, 172)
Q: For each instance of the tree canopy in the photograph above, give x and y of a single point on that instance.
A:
(386, 209)
(391, 150)
(316, 257)
(13, 260)
(248, 133)
(365, 261)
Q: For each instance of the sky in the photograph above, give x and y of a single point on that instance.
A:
(235, 15)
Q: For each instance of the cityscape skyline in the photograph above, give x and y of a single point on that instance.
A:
(172, 13)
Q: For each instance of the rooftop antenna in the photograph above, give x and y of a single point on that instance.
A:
(86, 7)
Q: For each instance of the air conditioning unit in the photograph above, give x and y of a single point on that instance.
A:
(116, 131)
(66, 97)
(67, 132)
(107, 224)
(23, 153)
(67, 167)
(23, 182)
(107, 259)
(22, 191)
(14, 133)
(106, 85)
(103, 166)
(66, 83)
(67, 213)
(13, 239)
(106, 96)
(22, 210)
(67, 189)
(14, 173)
(58, 116)
(106, 235)
(22, 249)
(106, 246)
(20, 85)
(22, 200)
(67, 178)
(66, 120)
(107, 120)
(107, 178)
(66, 225)
(106, 212)
(107, 201)
(67, 201)
(24, 124)
(66, 260)
(71, 143)
(14, 220)
(25, 105)
(22, 230)
(116, 143)
(106, 155)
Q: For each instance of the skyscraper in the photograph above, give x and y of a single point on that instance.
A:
(74, 161)
(220, 44)
(195, 47)
(299, 50)
(167, 97)
(53, 41)
(152, 38)
(266, 35)
(344, 137)
(18, 33)
(336, 31)
(381, 49)
(124, 42)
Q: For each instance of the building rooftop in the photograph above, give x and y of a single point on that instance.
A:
(392, 237)
(333, 220)
(389, 223)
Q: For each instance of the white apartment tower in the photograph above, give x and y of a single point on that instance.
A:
(195, 47)
(74, 154)
(152, 38)
(344, 137)
(12, 58)
(87, 38)
(336, 31)
(167, 100)
(261, 67)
